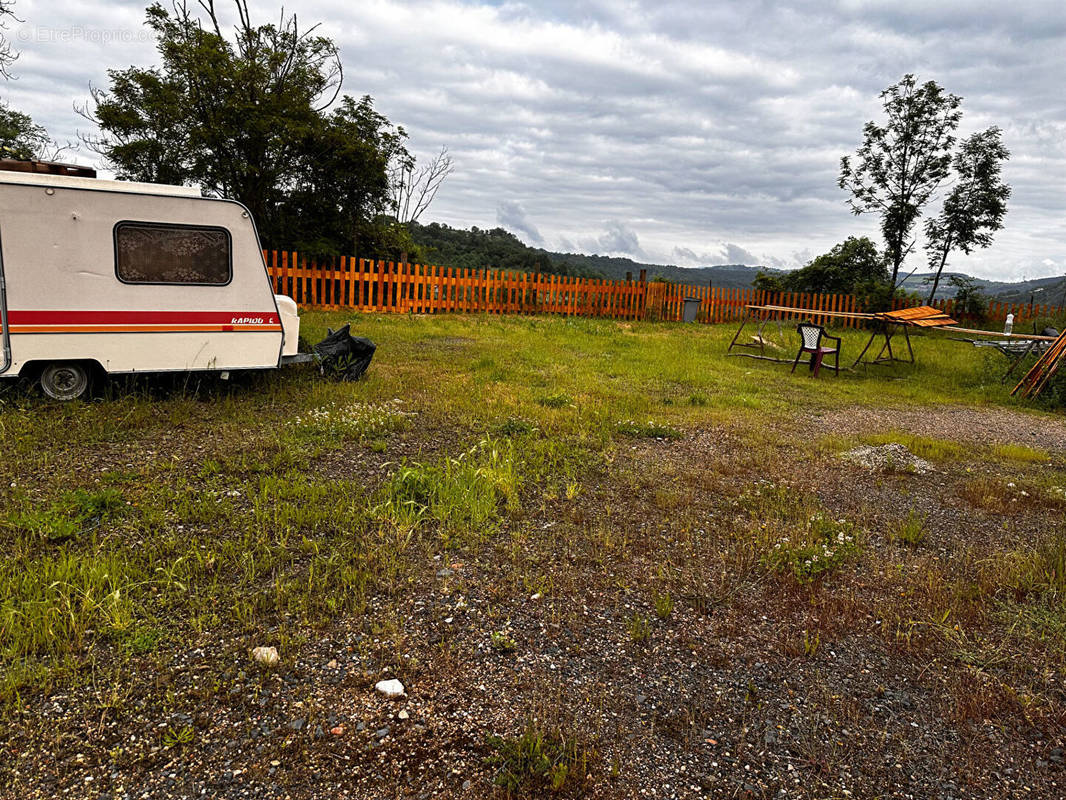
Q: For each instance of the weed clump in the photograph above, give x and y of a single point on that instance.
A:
(357, 421)
(795, 535)
(515, 426)
(823, 546)
(664, 605)
(639, 628)
(502, 643)
(70, 515)
(911, 530)
(557, 400)
(462, 493)
(1039, 571)
(538, 760)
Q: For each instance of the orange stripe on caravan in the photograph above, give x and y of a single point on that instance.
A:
(140, 328)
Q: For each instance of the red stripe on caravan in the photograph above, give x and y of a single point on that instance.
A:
(142, 318)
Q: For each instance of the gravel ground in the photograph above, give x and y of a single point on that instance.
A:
(981, 426)
(750, 687)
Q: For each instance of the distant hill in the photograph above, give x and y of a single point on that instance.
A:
(500, 249)
(1038, 290)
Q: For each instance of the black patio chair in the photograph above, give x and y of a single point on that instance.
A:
(811, 337)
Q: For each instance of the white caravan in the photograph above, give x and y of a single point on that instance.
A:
(121, 277)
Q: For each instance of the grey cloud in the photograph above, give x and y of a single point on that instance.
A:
(513, 217)
(684, 257)
(618, 240)
(735, 254)
(696, 124)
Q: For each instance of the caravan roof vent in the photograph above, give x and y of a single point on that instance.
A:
(46, 167)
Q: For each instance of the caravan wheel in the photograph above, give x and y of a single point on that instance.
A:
(65, 380)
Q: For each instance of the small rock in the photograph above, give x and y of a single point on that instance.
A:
(332, 664)
(403, 714)
(466, 785)
(297, 724)
(381, 733)
(390, 688)
(266, 655)
(537, 596)
(337, 731)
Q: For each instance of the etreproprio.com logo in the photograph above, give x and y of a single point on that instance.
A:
(80, 33)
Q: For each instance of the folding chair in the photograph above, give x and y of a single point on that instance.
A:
(811, 337)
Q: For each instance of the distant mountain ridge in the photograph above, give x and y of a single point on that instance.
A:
(1049, 291)
(500, 249)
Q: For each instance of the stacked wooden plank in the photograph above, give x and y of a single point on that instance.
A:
(919, 316)
(1043, 370)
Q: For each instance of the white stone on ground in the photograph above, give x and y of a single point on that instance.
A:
(390, 688)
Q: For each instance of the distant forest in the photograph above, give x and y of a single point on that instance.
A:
(500, 249)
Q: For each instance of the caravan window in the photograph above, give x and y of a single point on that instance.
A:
(155, 252)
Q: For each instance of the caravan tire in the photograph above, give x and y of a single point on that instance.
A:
(65, 380)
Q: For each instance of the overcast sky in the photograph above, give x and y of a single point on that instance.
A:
(672, 132)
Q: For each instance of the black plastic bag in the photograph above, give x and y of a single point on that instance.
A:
(343, 356)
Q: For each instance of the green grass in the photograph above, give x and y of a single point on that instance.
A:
(923, 446)
(177, 508)
(1019, 452)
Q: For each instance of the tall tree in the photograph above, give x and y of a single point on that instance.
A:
(901, 163)
(974, 208)
(852, 267)
(340, 202)
(21, 137)
(246, 115)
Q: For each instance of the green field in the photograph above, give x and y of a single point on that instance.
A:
(602, 557)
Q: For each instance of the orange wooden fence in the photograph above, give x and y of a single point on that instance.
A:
(385, 286)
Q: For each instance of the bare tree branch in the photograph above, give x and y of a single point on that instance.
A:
(414, 188)
(7, 54)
